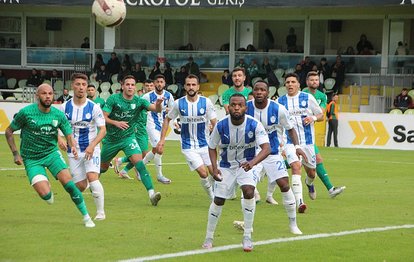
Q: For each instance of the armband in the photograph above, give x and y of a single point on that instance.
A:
(298, 147)
(314, 118)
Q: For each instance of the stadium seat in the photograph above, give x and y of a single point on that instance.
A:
(138, 86)
(22, 83)
(12, 98)
(68, 84)
(104, 95)
(114, 78)
(213, 99)
(18, 94)
(221, 89)
(329, 84)
(115, 87)
(290, 70)
(58, 87)
(272, 91)
(396, 111)
(105, 86)
(411, 93)
(11, 83)
(409, 112)
(173, 88)
(279, 75)
(47, 82)
(281, 91)
(254, 80)
(92, 77)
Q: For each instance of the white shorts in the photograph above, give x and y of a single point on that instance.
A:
(309, 151)
(154, 136)
(197, 157)
(233, 177)
(275, 167)
(80, 167)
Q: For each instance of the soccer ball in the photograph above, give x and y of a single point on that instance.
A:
(109, 13)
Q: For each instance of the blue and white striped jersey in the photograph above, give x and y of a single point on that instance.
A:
(299, 107)
(274, 117)
(155, 119)
(194, 118)
(237, 144)
(84, 120)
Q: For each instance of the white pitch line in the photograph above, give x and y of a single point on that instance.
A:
(267, 242)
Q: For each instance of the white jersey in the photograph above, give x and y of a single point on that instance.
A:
(155, 119)
(84, 120)
(274, 117)
(194, 118)
(299, 107)
(237, 144)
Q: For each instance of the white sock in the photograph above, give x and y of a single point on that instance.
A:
(308, 181)
(249, 208)
(289, 204)
(297, 189)
(214, 213)
(98, 195)
(205, 183)
(151, 192)
(271, 187)
(148, 157)
(158, 164)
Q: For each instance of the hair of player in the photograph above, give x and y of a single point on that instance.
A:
(238, 95)
(148, 81)
(128, 77)
(77, 76)
(311, 73)
(192, 76)
(261, 81)
(292, 75)
(91, 85)
(238, 68)
(160, 76)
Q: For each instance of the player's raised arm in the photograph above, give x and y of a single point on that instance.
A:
(157, 106)
(10, 140)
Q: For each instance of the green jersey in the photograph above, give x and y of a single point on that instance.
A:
(99, 101)
(120, 109)
(141, 126)
(231, 91)
(319, 96)
(39, 130)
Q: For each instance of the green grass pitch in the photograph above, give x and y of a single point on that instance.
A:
(379, 194)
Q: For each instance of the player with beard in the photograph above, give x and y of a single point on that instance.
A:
(40, 124)
(196, 113)
(154, 124)
(237, 135)
(91, 92)
(312, 81)
(238, 76)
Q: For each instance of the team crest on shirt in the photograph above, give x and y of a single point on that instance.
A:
(88, 116)
(304, 103)
(54, 123)
(133, 106)
(250, 134)
(273, 119)
(201, 110)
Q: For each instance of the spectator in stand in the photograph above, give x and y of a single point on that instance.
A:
(302, 75)
(65, 97)
(349, 51)
(43, 76)
(3, 85)
(85, 43)
(401, 49)
(102, 75)
(338, 73)
(123, 73)
(364, 44)
(169, 79)
(139, 74)
(98, 62)
(403, 100)
(324, 69)
(269, 40)
(307, 65)
(34, 79)
(127, 62)
(179, 78)
(192, 67)
(251, 48)
(332, 115)
(253, 69)
(55, 76)
(350, 67)
(114, 65)
(155, 71)
(291, 41)
(226, 78)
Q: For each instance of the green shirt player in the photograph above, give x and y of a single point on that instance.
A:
(121, 113)
(40, 124)
(238, 75)
(141, 136)
(91, 94)
(312, 81)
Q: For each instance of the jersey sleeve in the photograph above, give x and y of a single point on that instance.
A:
(146, 97)
(170, 101)
(210, 110)
(174, 112)
(145, 103)
(108, 105)
(261, 135)
(18, 121)
(314, 107)
(98, 115)
(65, 126)
(214, 138)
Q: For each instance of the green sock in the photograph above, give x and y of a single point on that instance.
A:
(124, 160)
(47, 196)
(287, 164)
(128, 167)
(76, 196)
(145, 176)
(322, 174)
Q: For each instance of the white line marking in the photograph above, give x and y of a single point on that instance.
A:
(267, 242)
